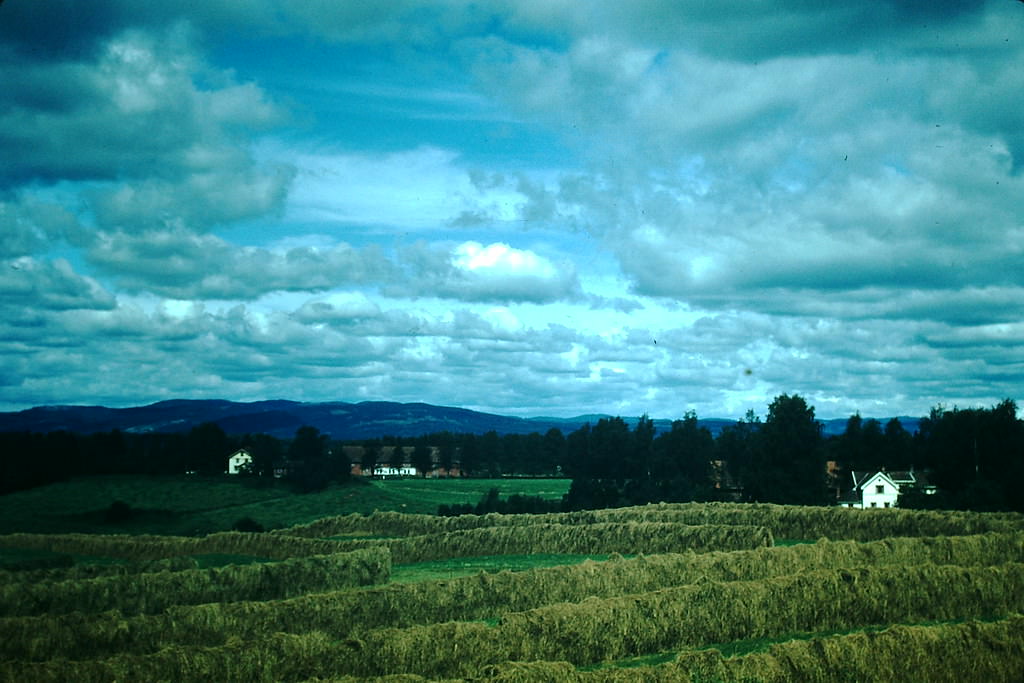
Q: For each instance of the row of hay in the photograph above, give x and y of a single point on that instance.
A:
(93, 571)
(586, 633)
(603, 538)
(615, 628)
(785, 521)
(151, 547)
(151, 593)
(953, 653)
(485, 596)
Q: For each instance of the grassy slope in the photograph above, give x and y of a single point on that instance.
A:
(191, 505)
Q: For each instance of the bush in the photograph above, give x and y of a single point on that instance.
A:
(247, 524)
(119, 511)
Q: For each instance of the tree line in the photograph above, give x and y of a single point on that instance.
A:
(975, 457)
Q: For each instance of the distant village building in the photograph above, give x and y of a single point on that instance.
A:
(385, 463)
(240, 461)
(882, 489)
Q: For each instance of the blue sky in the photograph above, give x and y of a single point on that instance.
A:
(530, 208)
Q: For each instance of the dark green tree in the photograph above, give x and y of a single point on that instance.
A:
(207, 449)
(266, 451)
(578, 461)
(641, 456)
(446, 452)
(735, 448)
(311, 469)
(469, 454)
(423, 458)
(490, 451)
(611, 443)
(399, 458)
(370, 457)
(686, 452)
(553, 449)
(788, 460)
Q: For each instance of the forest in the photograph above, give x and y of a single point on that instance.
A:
(974, 456)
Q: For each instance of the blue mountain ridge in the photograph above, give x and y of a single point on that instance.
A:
(341, 420)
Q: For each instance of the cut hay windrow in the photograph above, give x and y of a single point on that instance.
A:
(590, 632)
(151, 593)
(94, 571)
(615, 628)
(953, 653)
(626, 538)
(485, 596)
(784, 521)
(150, 547)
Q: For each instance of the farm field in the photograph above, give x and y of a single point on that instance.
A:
(188, 505)
(672, 592)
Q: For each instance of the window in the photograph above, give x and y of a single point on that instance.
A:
(886, 504)
(879, 488)
(874, 505)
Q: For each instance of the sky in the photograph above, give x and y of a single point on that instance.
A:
(534, 208)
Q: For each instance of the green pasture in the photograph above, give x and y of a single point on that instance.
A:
(191, 505)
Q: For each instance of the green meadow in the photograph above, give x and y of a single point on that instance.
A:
(190, 505)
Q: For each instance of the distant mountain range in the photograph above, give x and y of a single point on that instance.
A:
(344, 421)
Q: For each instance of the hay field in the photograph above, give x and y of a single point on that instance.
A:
(679, 593)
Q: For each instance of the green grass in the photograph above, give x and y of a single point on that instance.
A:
(470, 566)
(190, 505)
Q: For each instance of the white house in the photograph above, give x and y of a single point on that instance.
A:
(239, 461)
(881, 489)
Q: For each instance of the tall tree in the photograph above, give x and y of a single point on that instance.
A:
(371, 456)
(686, 452)
(208, 449)
(789, 464)
(553, 449)
(399, 458)
(640, 462)
(422, 457)
(578, 461)
(446, 452)
(611, 443)
(736, 445)
(308, 456)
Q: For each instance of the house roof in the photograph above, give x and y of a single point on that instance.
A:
(862, 479)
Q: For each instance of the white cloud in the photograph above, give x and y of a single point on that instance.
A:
(424, 188)
(707, 204)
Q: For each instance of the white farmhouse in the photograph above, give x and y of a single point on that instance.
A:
(882, 489)
(239, 461)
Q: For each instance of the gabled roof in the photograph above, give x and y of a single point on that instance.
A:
(862, 479)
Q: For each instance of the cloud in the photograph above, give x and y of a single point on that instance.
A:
(421, 188)
(49, 285)
(471, 271)
(183, 265)
(28, 226)
(640, 207)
